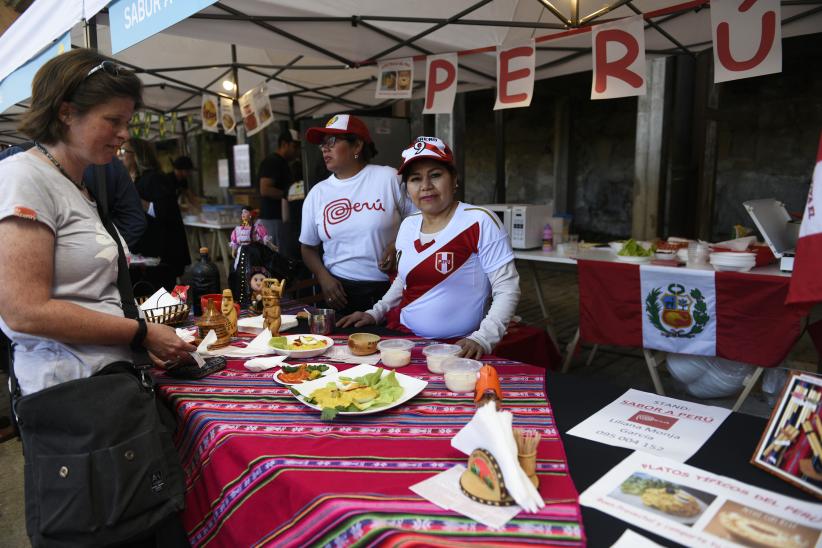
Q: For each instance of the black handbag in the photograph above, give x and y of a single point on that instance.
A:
(100, 464)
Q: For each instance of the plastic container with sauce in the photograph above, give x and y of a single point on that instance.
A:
(461, 374)
(395, 352)
(436, 354)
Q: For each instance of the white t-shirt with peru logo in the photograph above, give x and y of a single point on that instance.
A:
(355, 219)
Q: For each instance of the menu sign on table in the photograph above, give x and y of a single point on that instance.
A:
(654, 424)
(697, 508)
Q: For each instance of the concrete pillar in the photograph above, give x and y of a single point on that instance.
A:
(451, 129)
(649, 152)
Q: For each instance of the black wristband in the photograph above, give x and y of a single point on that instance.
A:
(140, 336)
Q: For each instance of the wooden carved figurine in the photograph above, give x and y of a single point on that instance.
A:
(272, 291)
(230, 312)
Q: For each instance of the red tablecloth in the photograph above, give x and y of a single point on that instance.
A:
(753, 325)
(262, 469)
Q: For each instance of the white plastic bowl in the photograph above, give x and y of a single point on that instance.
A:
(395, 352)
(436, 354)
(461, 374)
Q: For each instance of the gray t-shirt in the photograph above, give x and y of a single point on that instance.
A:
(85, 270)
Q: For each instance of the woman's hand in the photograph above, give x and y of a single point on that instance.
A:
(388, 262)
(470, 349)
(162, 341)
(357, 319)
(333, 291)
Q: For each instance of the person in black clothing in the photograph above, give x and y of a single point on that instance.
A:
(275, 178)
(165, 236)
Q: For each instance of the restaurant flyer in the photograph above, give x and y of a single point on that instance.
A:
(697, 508)
(655, 424)
(395, 79)
(790, 447)
(208, 110)
(227, 117)
(256, 109)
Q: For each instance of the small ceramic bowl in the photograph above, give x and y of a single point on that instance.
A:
(363, 344)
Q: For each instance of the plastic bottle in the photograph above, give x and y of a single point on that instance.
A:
(548, 238)
(205, 280)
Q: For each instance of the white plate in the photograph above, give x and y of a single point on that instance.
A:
(330, 371)
(411, 387)
(254, 324)
(732, 255)
(616, 247)
(731, 268)
(633, 260)
(302, 354)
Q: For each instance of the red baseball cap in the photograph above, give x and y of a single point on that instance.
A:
(427, 148)
(339, 123)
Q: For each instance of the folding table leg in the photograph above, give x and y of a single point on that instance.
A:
(749, 383)
(591, 355)
(549, 324)
(652, 363)
(569, 352)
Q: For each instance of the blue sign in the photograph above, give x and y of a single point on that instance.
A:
(133, 21)
(17, 85)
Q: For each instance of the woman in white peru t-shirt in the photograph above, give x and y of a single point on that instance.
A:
(350, 219)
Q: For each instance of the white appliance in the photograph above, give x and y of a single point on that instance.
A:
(523, 222)
(777, 227)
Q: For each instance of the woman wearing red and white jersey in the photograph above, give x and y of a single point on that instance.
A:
(456, 276)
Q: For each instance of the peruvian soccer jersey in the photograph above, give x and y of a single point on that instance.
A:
(445, 282)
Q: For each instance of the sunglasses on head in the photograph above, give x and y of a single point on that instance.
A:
(107, 66)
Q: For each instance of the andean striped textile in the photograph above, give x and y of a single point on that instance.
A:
(263, 470)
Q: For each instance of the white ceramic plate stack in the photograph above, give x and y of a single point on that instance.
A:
(733, 262)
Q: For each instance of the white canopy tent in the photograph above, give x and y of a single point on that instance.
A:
(318, 56)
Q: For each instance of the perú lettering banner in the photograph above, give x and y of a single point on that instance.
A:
(740, 316)
(747, 38)
(679, 310)
(133, 21)
(441, 75)
(515, 75)
(619, 58)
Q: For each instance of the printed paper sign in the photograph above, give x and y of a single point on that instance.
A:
(441, 76)
(133, 21)
(227, 118)
(395, 79)
(654, 424)
(515, 75)
(255, 108)
(618, 53)
(242, 166)
(223, 178)
(747, 38)
(208, 111)
(698, 508)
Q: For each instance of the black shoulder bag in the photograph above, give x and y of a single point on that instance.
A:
(100, 464)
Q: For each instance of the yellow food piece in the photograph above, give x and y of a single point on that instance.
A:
(676, 503)
(331, 396)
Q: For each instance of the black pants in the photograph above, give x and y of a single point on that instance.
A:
(361, 295)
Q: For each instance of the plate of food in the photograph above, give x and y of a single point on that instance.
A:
(290, 375)
(301, 346)
(634, 260)
(661, 498)
(361, 390)
(636, 252)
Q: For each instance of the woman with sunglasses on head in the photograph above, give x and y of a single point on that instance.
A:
(165, 235)
(353, 214)
(454, 260)
(59, 299)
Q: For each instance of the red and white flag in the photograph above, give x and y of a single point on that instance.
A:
(806, 281)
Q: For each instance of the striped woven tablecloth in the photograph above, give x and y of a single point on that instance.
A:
(263, 470)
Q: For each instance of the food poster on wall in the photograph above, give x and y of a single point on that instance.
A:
(655, 424)
(395, 79)
(791, 446)
(698, 508)
(255, 109)
(208, 110)
(227, 117)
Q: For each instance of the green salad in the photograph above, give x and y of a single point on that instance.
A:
(633, 249)
(357, 394)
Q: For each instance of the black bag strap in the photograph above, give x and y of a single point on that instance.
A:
(102, 190)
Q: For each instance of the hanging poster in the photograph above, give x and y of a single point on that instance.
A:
(515, 75)
(618, 53)
(747, 38)
(242, 166)
(208, 110)
(395, 79)
(227, 118)
(255, 109)
(441, 76)
(223, 178)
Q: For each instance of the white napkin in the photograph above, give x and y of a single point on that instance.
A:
(187, 335)
(261, 364)
(257, 347)
(738, 244)
(254, 324)
(159, 299)
(493, 431)
(339, 353)
(209, 339)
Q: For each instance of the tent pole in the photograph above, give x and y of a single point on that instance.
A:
(499, 138)
(291, 120)
(235, 73)
(91, 33)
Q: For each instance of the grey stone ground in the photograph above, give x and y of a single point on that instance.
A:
(619, 366)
